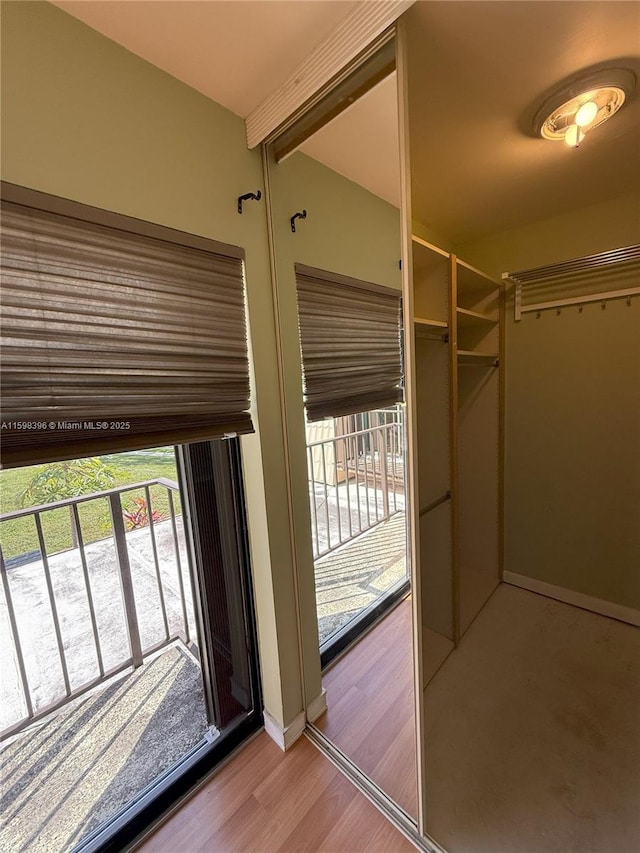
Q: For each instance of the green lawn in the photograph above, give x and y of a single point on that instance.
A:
(19, 536)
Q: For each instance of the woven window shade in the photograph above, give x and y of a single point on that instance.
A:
(350, 335)
(115, 340)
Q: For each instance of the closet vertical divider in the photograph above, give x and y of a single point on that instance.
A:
(453, 429)
(434, 327)
(479, 314)
(459, 389)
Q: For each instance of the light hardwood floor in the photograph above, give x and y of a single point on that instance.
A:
(370, 700)
(265, 800)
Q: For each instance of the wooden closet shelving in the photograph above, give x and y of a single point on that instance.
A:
(473, 318)
(457, 324)
(476, 357)
(436, 325)
(477, 316)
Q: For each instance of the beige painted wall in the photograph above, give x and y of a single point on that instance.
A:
(85, 119)
(572, 490)
(348, 231)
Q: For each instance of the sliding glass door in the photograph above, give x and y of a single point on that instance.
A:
(126, 620)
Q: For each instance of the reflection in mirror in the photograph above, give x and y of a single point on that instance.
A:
(527, 516)
(339, 281)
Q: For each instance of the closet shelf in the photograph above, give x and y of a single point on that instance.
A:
(468, 318)
(473, 281)
(425, 325)
(473, 357)
(424, 244)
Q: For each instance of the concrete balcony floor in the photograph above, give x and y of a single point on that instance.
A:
(61, 778)
(354, 576)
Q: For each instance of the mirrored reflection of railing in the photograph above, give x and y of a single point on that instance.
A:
(74, 619)
(356, 476)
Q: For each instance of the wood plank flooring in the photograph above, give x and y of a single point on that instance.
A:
(265, 801)
(370, 699)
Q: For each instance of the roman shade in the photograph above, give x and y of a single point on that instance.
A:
(116, 334)
(350, 334)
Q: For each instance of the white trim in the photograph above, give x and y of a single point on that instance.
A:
(578, 599)
(317, 706)
(284, 737)
(351, 36)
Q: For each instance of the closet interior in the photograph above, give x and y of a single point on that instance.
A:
(525, 413)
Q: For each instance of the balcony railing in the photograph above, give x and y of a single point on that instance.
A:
(356, 477)
(88, 611)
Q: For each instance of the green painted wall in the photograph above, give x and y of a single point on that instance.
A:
(572, 453)
(348, 231)
(85, 119)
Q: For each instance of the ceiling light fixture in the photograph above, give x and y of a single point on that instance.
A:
(585, 103)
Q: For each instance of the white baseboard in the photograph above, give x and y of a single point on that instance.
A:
(317, 706)
(284, 737)
(577, 599)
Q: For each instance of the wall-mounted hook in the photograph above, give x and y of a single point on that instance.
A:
(538, 315)
(248, 197)
(603, 305)
(300, 215)
(628, 302)
(580, 309)
(558, 312)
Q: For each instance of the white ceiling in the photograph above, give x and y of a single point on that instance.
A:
(478, 71)
(234, 51)
(362, 142)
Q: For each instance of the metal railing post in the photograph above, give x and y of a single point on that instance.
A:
(156, 562)
(176, 546)
(87, 586)
(52, 603)
(13, 624)
(124, 568)
(384, 474)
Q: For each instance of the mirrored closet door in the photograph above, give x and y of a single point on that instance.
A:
(334, 185)
(524, 412)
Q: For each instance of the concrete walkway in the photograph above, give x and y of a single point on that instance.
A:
(61, 779)
(354, 576)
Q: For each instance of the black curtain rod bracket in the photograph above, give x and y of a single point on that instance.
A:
(248, 197)
(300, 215)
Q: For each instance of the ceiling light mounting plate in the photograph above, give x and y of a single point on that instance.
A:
(606, 89)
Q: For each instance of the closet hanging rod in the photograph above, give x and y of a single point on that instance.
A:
(626, 254)
(579, 300)
(426, 509)
(624, 258)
